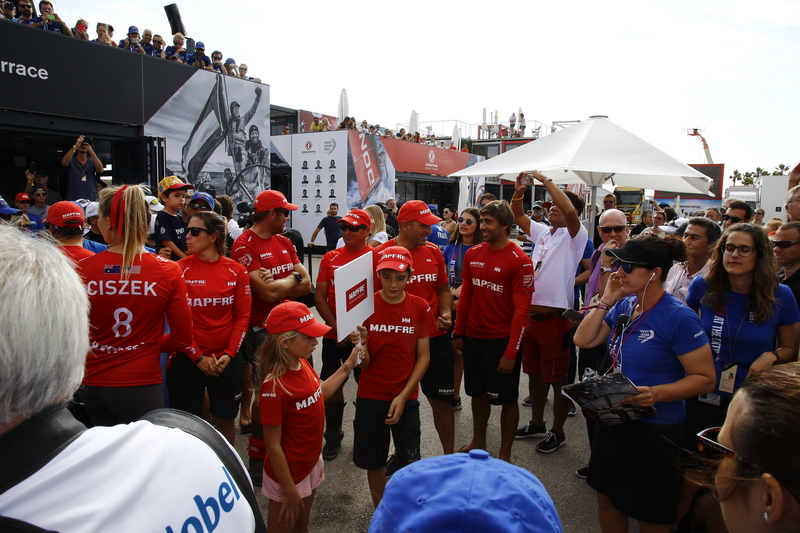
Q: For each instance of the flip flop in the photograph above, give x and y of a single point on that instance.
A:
(462, 449)
(245, 429)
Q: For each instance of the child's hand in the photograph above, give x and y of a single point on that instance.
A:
(290, 509)
(359, 336)
(395, 411)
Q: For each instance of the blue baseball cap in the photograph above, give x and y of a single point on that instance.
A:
(205, 197)
(6, 210)
(465, 492)
(133, 29)
(200, 45)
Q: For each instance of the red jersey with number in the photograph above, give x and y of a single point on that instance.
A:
(276, 254)
(495, 296)
(219, 295)
(300, 411)
(127, 317)
(392, 334)
(429, 273)
(330, 262)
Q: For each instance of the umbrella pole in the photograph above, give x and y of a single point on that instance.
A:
(591, 211)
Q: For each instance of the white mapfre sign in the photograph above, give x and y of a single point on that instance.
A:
(355, 287)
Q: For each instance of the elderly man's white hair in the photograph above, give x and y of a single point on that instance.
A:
(44, 326)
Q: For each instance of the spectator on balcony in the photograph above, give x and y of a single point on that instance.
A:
(102, 31)
(39, 207)
(243, 74)
(522, 124)
(216, 62)
(316, 125)
(81, 30)
(177, 52)
(25, 11)
(49, 20)
(326, 125)
(40, 179)
(200, 59)
(9, 11)
(157, 47)
(132, 42)
(231, 68)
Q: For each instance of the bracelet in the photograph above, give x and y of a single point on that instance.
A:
(199, 358)
(515, 199)
(777, 357)
(346, 369)
(548, 180)
(602, 305)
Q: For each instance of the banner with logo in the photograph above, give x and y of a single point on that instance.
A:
(355, 287)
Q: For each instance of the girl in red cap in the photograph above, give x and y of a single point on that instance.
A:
(293, 413)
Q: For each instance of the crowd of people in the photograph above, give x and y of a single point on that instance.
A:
(701, 317)
(350, 123)
(144, 42)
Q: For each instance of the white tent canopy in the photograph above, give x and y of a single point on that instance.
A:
(591, 153)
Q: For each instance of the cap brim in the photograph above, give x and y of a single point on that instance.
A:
(10, 211)
(429, 219)
(315, 329)
(392, 265)
(180, 187)
(291, 207)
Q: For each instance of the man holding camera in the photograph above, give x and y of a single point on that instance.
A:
(132, 42)
(200, 59)
(83, 170)
(49, 20)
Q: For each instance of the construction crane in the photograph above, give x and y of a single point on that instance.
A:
(697, 132)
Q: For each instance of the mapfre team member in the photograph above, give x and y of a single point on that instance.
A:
(492, 314)
(219, 295)
(264, 247)
(355, 226)
(130, 291)
(430, 283)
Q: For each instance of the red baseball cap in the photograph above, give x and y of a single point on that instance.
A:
(395, 258)
(65, 215)
(267, 200)
(20, 197)
(417, 210)
(357, 217)
(295, 316)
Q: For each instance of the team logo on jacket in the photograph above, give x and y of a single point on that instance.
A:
(245, 260)
(646, 335)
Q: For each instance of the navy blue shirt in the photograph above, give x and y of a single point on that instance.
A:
(171, 228)
(332, 230)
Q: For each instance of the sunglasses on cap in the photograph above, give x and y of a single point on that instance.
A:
(784, 244)
(609, 229)
(734, 220)
(199, 207)
(349, 227)
(196, 231)
(467, 221)
(628, 267)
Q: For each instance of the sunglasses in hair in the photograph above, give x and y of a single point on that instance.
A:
(199, 207)
(628, 267)
(467, 221)
(743, 249)
(348, 227)
(734, 220)
(609, 229)
(196, 231)
(783, 244)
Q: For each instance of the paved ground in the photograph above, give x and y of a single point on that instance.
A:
(343, 503)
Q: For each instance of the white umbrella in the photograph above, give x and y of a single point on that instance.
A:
(593, 152)
(483, 124)
(456, 138)
(344, 106)
(413, 125)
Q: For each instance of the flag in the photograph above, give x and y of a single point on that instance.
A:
(208, 133)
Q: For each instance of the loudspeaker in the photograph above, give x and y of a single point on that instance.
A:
(174, 17)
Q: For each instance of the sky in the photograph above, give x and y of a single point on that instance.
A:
(654, 68)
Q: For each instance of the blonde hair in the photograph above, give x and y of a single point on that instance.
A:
(131, 218)
(273, 359)
(378, 223)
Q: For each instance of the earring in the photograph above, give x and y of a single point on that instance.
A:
(766, 517)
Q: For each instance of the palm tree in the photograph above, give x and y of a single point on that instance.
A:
(736, 176)
(781, 170)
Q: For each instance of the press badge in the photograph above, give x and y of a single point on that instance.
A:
(728, 379)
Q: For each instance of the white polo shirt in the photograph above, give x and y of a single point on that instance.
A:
(555, 261)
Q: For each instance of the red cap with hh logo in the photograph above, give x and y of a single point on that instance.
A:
(394, 258)
(357, 217)
(295, 316)
(65, 215)
(417, 210)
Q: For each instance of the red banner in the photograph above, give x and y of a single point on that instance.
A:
(423, 159)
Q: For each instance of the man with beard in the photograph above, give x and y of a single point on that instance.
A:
(787, 252)
(256, 157)
(236, 138)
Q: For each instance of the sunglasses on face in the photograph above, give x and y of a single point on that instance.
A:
(284, 212)
(784, 244)
(743, 249)
(467, 221)
(608, 201)
(199, 207)
(609, 229)
(628, 267)
(157, 42)
(40, 194)
(734, 220)
(348, 227)
(194, 232)
(25, 202)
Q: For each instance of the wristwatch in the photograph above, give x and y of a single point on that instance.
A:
(298, 276)
(604, 270)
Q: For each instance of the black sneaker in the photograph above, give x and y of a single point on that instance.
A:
(456, 403)
(393, 465)
(526, 401)
(582, 472)
(530, 431)
(551, 442)
(572, 410)
(332, 447)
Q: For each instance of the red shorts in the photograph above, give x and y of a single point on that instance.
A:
(545, 349)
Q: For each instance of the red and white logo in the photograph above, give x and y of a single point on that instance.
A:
(309, 145)
(356, 295)
(431, 156)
